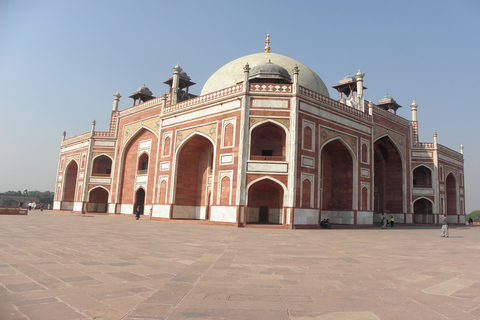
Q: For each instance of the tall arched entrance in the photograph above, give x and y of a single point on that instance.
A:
(97, 200)
(422, 211)
(337, 177)
(139, 201)
(70, 184)
(136, 172)
(388, 171)
(265, 203)
(194, 179)
(451, 194)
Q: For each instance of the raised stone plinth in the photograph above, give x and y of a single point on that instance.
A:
(13, 210)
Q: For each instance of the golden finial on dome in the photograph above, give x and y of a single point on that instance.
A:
(267, 42)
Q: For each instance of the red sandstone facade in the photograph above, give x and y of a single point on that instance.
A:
(269, 149)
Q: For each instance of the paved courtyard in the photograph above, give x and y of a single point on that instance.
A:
(59, 265)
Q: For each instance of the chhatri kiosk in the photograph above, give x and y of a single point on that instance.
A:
(263, 144)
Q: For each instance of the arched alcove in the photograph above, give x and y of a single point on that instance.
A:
(268, 142)
(97, 200)
(102, 166)
(451, 194)
(388, 173)
(70, 186)
(193, 173)
(337, 176)
(265, 202)
(422, 210)
(422, 177)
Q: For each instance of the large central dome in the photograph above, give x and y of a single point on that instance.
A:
(232, 73)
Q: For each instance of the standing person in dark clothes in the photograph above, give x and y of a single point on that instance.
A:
(445, 227)
(137, 213)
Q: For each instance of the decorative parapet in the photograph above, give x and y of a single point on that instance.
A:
(207, 97)
(425, 145)
(440, 148)
(275, 88)
(78, 138)
(391, 116)
(450, 152)
(414, 125)
(141, 106)
(321, 98)
(113, 127)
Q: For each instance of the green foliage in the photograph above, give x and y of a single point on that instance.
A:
(44, 197)
(475, 215)
(13, 193)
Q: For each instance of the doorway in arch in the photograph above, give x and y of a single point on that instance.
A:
(265, 203)
(139, 201)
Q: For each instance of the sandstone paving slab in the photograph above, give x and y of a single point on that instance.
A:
(85, 283)
(28, 302)
(337, 316)
(449, 287)
(140, 290)
(10, 312)
(128, 276)
(49, 293)
(49, 311)
(212, 272)
(24, 287)
(82, 302)
(110, 294)
(104, 314)
(231, 314)
(150, 311)
(170, 294)
(13, 279)
(51, 282)
(4, 290)
(232, 304)
(125, 304)
(11, 298)
(6, 269)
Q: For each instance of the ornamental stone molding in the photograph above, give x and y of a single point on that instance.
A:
(283, 121)
(209, 130)
(130, 129)
(399, 139)
(75, 157)
(98, 153)
(327, 134)
(415, 165)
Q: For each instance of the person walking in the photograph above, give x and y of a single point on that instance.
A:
(392, 221)
(384, 221)
(445, 227)
(137, 213)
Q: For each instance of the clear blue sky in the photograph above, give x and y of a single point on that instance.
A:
(62, 61)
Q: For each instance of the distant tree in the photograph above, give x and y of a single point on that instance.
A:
(14, 193)
(44, 197)
(475, 215)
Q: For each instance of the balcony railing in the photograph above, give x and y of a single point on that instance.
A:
(267, 158)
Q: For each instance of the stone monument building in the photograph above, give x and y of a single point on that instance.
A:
(263, 144)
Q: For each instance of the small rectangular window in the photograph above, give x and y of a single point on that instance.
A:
(267, 153)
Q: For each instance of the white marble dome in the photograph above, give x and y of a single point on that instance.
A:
(232, 73)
